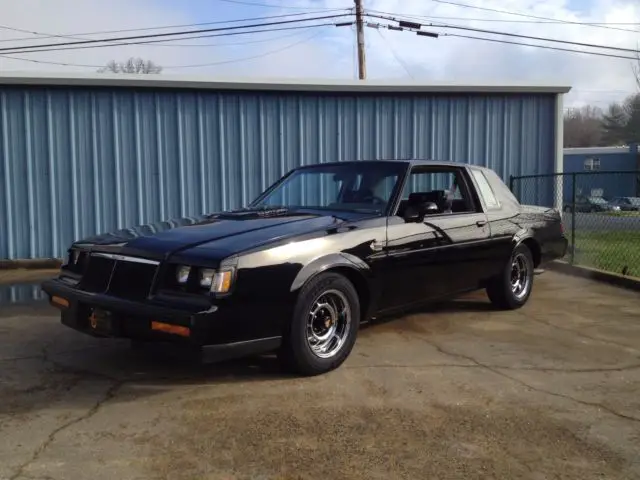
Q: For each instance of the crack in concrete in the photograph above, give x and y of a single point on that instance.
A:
(18, 359)
(526, 385)
(500, 367)
(43, 356)
(109, 394)
(76, 371)
(583, 335)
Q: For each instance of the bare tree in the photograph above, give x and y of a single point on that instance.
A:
(583, 127)
(614, 124)
(132, 65)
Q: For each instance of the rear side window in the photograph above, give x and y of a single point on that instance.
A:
(485, 190)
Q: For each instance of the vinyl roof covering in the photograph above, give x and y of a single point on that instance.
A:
(255, 84)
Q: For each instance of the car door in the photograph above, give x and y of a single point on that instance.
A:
(443, 254)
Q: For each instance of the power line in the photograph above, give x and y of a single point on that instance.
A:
(232, 44)
(515, 35)
(502, 20)
(395, 55)
(53, 46)
(171, 67)
(226, 34)
(258, 4)
(45, 62)
(244, 59)
(506, 12)
(547, 47)
(74, 36)
(495, 40)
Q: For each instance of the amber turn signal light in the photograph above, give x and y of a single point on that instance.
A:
(60, 302)
(168, 328)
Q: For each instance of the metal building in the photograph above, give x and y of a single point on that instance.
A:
(604, 171)
(82, 154)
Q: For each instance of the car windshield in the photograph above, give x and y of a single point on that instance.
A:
(359, 187)
(597, 200)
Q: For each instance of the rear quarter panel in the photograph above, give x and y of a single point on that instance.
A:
(513, 223)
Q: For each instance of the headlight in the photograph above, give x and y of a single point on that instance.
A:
(206, 277)
(182, 274)
(222, 281)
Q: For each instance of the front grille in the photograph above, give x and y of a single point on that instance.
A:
(120, 276)
(132, 280)
(97, 275)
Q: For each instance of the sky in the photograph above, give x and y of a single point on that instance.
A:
(329, 52)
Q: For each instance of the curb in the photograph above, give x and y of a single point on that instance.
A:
(31, 264)
(630, 283)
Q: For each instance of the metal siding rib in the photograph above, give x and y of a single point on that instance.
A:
(129, 157)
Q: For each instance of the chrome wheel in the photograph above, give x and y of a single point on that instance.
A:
(328, 323)
(520, 278)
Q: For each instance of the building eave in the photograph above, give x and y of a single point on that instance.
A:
(45, 79)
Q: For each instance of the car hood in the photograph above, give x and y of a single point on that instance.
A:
(226, 233)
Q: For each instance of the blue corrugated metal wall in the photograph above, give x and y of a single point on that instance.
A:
(76, 162)
(612, 184)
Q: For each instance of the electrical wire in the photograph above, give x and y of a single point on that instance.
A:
(515, 35)
(55, 46)
(547, 47)
(169, 67)
(233, 44)
(45, 62)
(258, 4)
(48, 62)
(502, 20)
(226, 34)
(75, 36)
(495, 40)
(244, 59)
(395, 55)
(506, 12)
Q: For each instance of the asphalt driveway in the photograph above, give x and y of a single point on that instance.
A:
(455, 391)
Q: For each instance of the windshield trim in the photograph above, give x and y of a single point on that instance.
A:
(403, 171)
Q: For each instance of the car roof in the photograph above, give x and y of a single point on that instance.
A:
(412, 162)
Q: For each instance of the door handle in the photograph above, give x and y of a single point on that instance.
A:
(375, 246)
(481, 223)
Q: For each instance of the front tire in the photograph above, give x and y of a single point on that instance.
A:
(512, 288)
(324, 326)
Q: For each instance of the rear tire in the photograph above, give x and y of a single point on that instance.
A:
(324, 326)
(512, 288)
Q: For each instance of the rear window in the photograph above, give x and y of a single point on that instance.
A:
(485, 190)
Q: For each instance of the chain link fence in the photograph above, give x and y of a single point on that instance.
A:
(601, 215)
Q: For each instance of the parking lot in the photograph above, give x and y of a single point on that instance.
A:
(451, 391)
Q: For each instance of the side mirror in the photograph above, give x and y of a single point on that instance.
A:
(416, 213)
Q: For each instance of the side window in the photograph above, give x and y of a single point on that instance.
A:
(485, 190)
(444, 187)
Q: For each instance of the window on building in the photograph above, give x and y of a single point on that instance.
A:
(591, 164)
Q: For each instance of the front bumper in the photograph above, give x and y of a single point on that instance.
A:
(201, 324)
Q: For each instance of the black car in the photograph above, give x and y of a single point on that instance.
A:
(627, 204)
(325, 248)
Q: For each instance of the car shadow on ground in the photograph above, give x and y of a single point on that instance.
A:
(43, 362)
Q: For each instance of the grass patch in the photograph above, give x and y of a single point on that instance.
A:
(614, 251)
(621, 214)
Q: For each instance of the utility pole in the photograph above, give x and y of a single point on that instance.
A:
(362, 64)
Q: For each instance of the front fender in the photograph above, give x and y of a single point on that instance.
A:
(333, 260)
